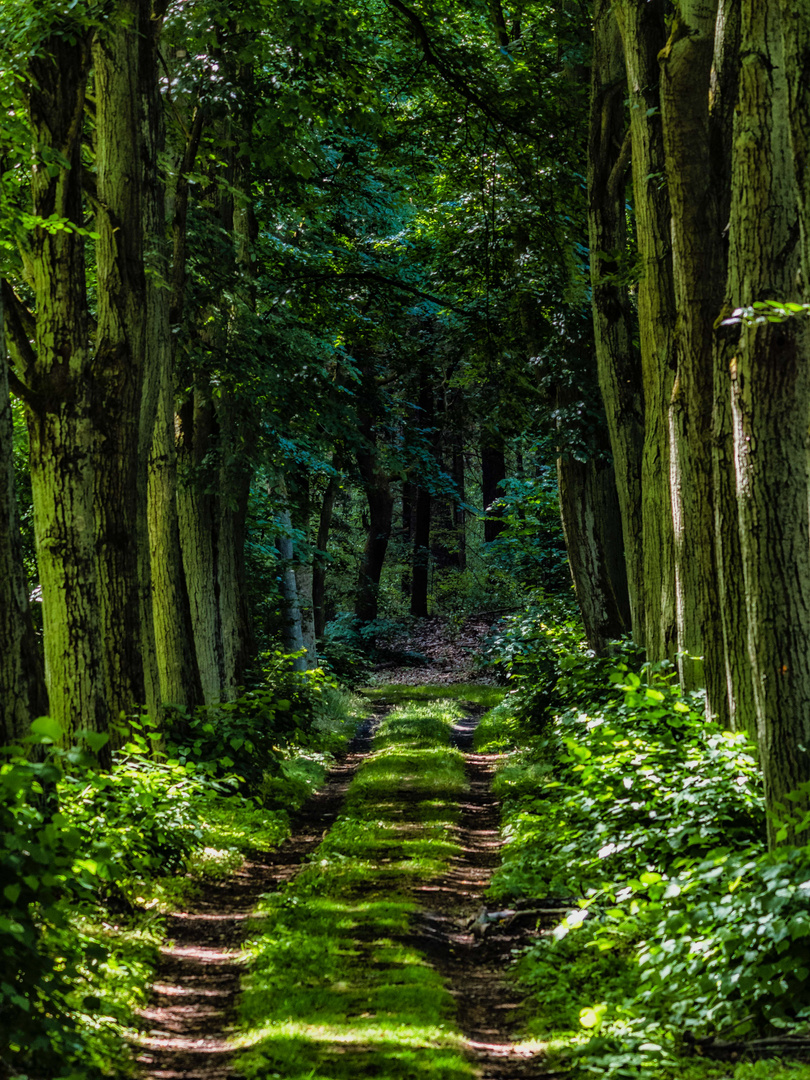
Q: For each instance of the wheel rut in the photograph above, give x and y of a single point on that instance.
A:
(471, 952)
(186, 1023)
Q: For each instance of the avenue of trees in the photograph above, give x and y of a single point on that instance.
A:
(263, 261)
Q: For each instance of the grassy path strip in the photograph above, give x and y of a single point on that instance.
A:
(337, 989)
(193, 999)
(370, 964)
(470, 946)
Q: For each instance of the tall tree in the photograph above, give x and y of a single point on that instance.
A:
(643, 30)
(770, 393)
(617, 358)
(22, 681)
(56, 381)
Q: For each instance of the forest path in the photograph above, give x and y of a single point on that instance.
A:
(185, 1025)
(193, 999)
(471, 953)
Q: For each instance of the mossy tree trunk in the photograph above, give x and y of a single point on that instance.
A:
(22, 679)
(770, 393)
(60, 398)
(124, 374)
(698, 272)
(739, 688)
(643, 29)
(617, 357)
(178, 674)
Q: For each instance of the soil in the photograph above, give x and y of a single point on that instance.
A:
(186, 1024)
(443, 650)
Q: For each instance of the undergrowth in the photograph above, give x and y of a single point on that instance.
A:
(336, 988)
(683, 930)
(92, 859)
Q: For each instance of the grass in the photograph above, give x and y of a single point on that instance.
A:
(336, 989)
(469, 693)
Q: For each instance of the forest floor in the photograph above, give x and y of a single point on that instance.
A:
(443, 650)
(190, 1029)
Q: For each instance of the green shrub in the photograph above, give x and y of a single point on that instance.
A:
(651, 821)
(81, 849)
(245, 738)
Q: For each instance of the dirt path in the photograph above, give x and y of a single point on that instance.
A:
(186, 1023)
(474, 957)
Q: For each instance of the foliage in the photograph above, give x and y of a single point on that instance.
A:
(529, 650)
(346, 648)
(531, 547)
(88, 857)
(75, 843)
(650, 820)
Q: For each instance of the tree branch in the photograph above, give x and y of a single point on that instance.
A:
(20, 327)
(620, 166)
(453, 78)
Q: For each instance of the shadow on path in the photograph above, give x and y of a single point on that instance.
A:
(185, 1026)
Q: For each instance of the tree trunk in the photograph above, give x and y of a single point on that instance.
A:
(644, 35)
(322, 546)
(178, 677)
(617, 359)
(234, 479)
(698, 273)
(59, 404)
(421, 554)
(125, 399)
(22, 680)
(303, 583)
(458, 512)
(728, 556)
(493, 472)
(380, 512)
(590, 513)
(174, 634)
(291, 630)
(196, 510)
(770, 392)
(304, 555)
(408, 526)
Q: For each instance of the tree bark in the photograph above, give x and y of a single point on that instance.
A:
(233, 493)
(22, 679)
(739, 687)
(420, 574)
(291, 629)
(196, 510)
(590, 513)
(380, 513)
(59, 402)
(697, 263)
(458, 512)
(320, 557)
(770, 393)
(617, 359)
(493, 472)
(178, 676)
(122, 393)
(644, 35)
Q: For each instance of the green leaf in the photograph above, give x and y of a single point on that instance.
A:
(12, 893)
(96, 739)
(47, 728)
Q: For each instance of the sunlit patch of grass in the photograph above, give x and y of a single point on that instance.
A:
(334, 989)
(499, 729)
(471, 693)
